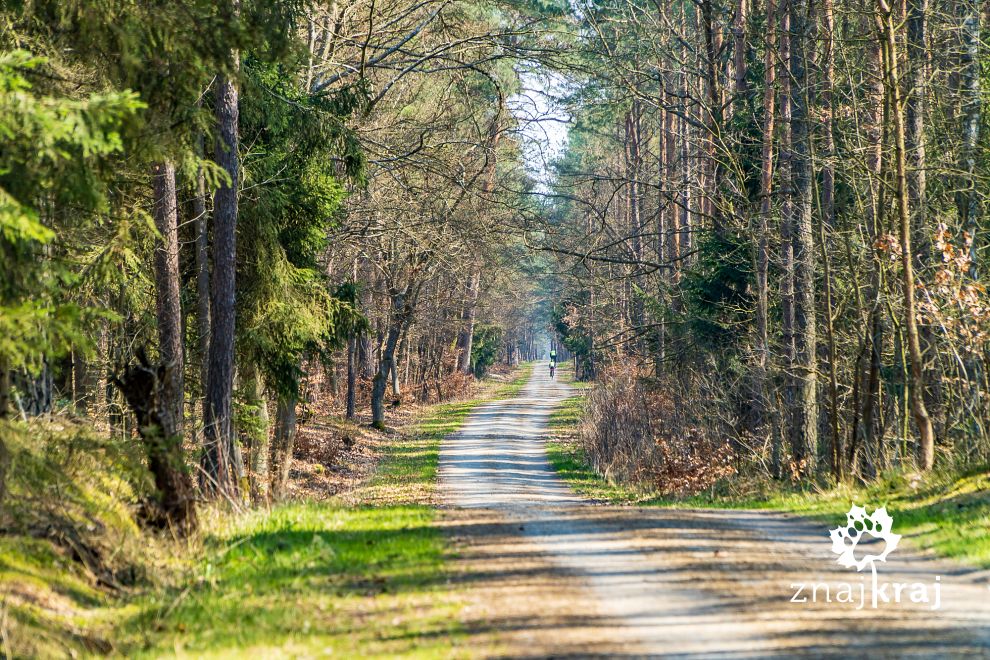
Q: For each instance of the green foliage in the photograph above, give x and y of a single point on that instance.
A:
(720, 290)
(485, 345)
(288, 208)
(52, 149)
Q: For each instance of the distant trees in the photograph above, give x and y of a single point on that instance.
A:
(818, 257)
(279, 185)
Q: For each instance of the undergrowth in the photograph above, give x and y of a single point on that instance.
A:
(946, 512)
(362, 574)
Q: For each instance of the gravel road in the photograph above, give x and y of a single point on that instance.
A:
(551, 575)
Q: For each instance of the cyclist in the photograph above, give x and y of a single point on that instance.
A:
(553, 367)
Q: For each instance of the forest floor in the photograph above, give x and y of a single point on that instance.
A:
(357, 565)
(552, 573)
(451, 535)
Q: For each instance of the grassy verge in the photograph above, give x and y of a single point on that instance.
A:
(337, 578)
(309, 579)
(569, 460)
(408, 472)
(947, 513)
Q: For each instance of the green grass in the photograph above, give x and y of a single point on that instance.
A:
(408, 471)
(310, 579)
(569, 460)
(49, 607)
(946, 513)
(76, 488)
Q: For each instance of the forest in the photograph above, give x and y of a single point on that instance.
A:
(753, 231)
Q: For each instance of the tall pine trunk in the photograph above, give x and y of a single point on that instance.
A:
(219, 454)
(167, 296)
(786, 240)
(969, 200)
(202, 278)
(759, 390)
(804, 420)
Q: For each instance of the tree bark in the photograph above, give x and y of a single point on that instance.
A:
(146, 389)
(402, 305)
(351, 375)
(926, 442)
(202, 276)
(218, 457)
(4, 414)
(465, 338)
(282, 445)
(804, 422)
(167, 296)
(255, 436)
(739, 48)
(786, 239)
(763, 232)
(969, 203)
(836, 444)
(916, 107)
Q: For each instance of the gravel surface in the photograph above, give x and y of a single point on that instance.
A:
(551, 575)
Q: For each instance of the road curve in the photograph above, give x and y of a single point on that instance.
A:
(559, 576)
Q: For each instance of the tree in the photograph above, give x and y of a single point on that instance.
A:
(221, 464)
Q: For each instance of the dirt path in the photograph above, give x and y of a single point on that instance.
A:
(551, 575)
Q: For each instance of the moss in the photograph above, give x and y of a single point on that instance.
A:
(69, 532)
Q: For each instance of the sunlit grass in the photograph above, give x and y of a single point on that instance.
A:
(307, 579)
(310, 579)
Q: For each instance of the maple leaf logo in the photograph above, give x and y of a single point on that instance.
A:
(858, 524)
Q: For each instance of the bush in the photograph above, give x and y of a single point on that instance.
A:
(646, 433)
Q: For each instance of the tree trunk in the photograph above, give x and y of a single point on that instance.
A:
(351, 375)
(282, 445)
(786, 238)
(394, 373)
(202, 277)
(4, 389)
(401, 310)
(926, 443)
(804, 424)
(739, 48)
(864, 427)
(218, 457)
(146, 389)
(465, 338)
(917, 110)
(836, 443)
(255, 435)
(759, 393)
(167, 296)
(969, 202)
(4, 414)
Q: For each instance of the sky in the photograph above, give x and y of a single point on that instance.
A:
(543, 122)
